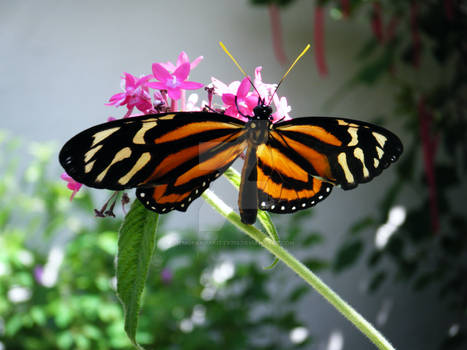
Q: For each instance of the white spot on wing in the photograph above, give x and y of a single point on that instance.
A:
(381, 139)
(342, 160)
(89, 154)
(380, 152)
(89, 166)
(119, 156)
(139, 136)
(358, 153)
(101, 135)
(140, 163)
(353, 134)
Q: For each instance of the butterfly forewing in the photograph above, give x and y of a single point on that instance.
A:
(340, 151)
(171, 158)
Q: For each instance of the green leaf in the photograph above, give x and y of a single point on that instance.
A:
(298, 293)
(362, 224)
(347, 255)
(376, 281)
(368, 48)
(424, 280)
(136, 242)
(372, 71)
(312, 239)
(316, 264)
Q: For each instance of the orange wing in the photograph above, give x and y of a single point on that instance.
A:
(189, 176)
(284, 186)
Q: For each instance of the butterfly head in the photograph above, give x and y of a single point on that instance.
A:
(262, 112)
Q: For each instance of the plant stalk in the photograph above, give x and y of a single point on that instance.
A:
(300, 269)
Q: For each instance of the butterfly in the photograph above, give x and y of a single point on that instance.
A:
(171, 158)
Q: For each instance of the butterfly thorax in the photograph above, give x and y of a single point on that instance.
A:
(258, 125)
(262, 112)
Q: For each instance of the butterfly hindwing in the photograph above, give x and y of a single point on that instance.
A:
(283, 185)
(340, 151)
(191, 178)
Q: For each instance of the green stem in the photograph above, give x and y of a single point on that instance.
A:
(300, 269)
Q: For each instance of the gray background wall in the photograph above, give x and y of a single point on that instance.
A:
(61, 60)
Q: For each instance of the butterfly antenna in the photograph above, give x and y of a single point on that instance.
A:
(238, 66)
(288, 71)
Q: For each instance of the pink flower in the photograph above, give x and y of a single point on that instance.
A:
(242, 99)
(220, 88)
(191, 103)
(247, 100)
(72, 184)
(265, 90)
(173, 82)
(282, 109)
(182, 58)
(135, 93)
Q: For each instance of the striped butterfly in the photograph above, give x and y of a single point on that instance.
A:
(171, 158)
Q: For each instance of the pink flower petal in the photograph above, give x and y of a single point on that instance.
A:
(231, 111)
(195, 62)
(72, 184)
(190, 85)
(129, 80)
(182, 58)
(143, 105)
(116, 99)
(168, 65)
(157, 85)
(258, 77)
(66, 177)
(160, 73)
(251, 101)
(181, 73)
(228, 99)
(244, 88)
(143, 80)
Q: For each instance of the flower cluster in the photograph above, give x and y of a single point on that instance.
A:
(169, 83)
(239, 101)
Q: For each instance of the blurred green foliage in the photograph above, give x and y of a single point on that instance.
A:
(421, 54)
(57, 274)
